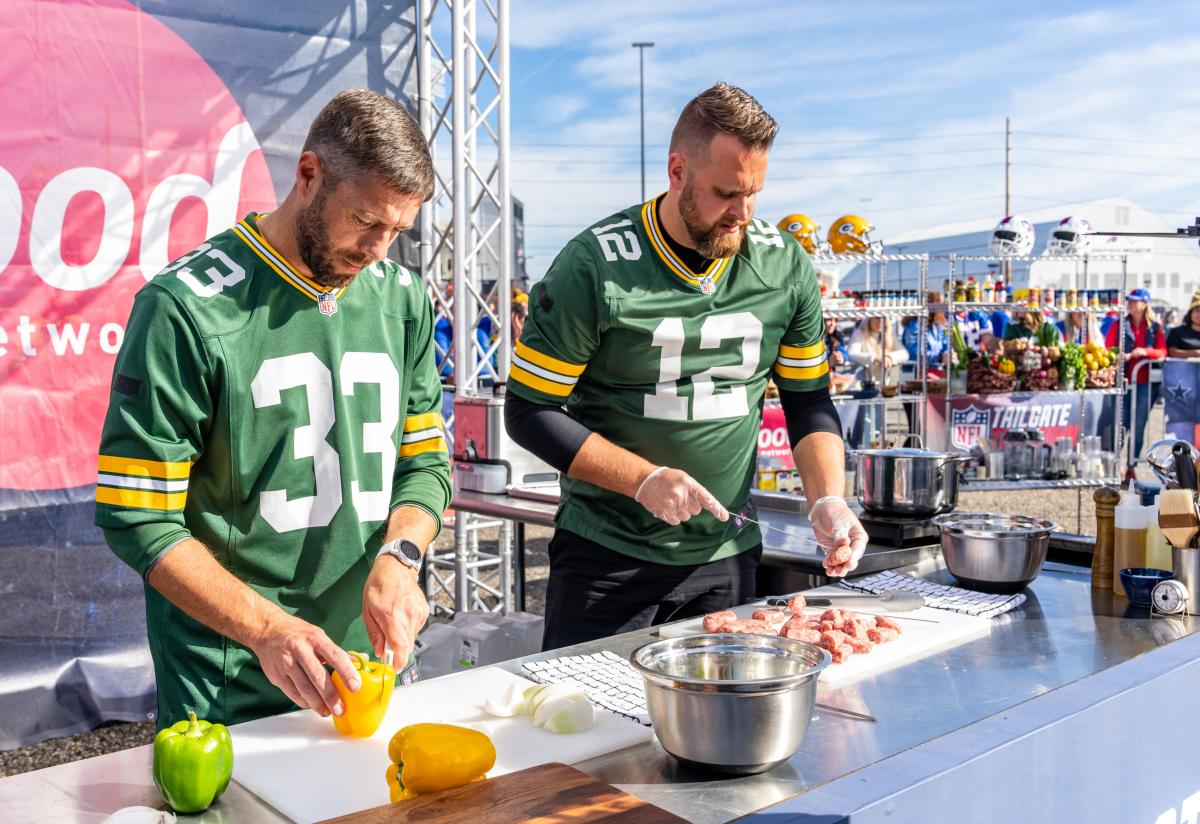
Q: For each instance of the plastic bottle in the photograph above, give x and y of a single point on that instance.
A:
(436, 650)
(1129, 545)
(987, 292)
(1158, 551)
(972, 290)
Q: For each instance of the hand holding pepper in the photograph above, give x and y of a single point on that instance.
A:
(366, 707)
(293, 654)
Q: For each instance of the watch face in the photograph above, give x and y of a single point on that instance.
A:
(410, 551)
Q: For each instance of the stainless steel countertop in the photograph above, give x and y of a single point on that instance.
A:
(1064, 632)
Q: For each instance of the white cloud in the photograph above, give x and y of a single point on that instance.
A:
(845, 95)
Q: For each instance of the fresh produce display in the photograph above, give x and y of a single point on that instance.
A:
(364, 709)
(989, 374)
(1072, 367)
(193, 762)
(1101, 366)
(427, 758)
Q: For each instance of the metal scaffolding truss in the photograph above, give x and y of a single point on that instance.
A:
(466, 251)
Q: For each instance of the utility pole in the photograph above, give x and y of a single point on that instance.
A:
(1007, 186)
(641, 47)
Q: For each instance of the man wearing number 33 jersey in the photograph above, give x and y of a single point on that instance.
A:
(640, 374)
(274, 424)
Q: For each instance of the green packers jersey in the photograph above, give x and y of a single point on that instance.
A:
(672, 365)
(279, 424)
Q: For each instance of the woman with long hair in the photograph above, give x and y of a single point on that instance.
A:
(1144, 340)
(874, 348)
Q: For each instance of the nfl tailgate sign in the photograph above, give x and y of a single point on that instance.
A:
(1055, 414)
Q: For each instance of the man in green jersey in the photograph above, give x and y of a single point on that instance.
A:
(272, 462)
(640, 374)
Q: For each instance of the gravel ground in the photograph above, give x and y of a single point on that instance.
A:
(1059, 506)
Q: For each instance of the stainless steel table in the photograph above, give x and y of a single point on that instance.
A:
(1065, 632)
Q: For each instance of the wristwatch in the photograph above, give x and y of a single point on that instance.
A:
(406, 552)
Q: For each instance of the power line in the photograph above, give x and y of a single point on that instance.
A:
(802, 179)
(1093, 138)
(840, 141)
(774, 159)
(1110, 171)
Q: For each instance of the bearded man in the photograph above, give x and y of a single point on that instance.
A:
(640, 374)
(272, 462)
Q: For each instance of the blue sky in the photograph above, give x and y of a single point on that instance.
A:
(892, 110)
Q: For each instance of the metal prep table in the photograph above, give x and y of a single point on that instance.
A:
(1070, 703)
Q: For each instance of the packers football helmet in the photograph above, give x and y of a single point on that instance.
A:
(1070, 237)
(851, 234)
(1012, 237)
(804, 229)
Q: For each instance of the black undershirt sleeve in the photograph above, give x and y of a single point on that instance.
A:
(808, 412)
(546, 431)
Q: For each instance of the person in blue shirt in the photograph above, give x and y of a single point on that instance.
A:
(936, 342)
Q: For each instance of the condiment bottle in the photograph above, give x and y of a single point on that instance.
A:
(1129, 538)
(1106, 499)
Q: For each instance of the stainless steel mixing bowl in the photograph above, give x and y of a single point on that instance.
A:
(994, 552)
(738, 704)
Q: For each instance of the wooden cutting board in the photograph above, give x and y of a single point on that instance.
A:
(546, 793)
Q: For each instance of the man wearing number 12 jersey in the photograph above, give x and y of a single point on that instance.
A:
(641, 372)
(272, 462)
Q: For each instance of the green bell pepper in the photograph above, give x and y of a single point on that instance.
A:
(193, 761)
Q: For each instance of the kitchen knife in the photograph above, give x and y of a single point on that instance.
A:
(1185, 468)
(891, 600)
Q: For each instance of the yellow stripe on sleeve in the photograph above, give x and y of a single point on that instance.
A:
(408, 450)
(568, 370)
(426, 420)
(802, 373)
(810, 351)
(141, 499)
(146, 469)
(531, 380)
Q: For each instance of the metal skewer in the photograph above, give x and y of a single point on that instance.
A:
(860, 715)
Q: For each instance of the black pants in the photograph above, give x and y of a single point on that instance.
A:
(594, 592)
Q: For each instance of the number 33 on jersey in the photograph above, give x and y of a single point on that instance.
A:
(246, 414)
(669, 363)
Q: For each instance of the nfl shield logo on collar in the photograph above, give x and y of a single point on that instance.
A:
(327, 303)
(707, 286)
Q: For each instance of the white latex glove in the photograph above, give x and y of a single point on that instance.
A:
(839, 533)
(673, 496)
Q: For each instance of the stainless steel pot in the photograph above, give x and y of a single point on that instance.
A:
(994, 553)
(907, 482)
(737, 704)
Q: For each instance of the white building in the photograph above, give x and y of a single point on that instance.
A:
(1168, 268)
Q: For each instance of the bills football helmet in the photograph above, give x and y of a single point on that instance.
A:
(1012, 237)
(1070, 237)
(851, 234)
(804, 229)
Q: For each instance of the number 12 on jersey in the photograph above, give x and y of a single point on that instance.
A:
(707, 403)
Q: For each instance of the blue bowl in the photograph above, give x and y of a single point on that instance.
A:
(1138, 582)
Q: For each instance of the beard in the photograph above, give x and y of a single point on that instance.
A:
(316, 250)
(709, 240)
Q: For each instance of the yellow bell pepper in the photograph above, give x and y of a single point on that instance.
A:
(364, 710)
(432, 757)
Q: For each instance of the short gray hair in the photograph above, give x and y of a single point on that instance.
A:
(360, 133)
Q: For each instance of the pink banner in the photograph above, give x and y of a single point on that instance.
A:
(773, 437)
(121, 149)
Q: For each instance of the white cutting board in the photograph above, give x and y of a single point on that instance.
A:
(917, 638)
(300, 765)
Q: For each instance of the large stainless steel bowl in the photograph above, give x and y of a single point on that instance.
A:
(907, 482)
(733, 703)
(993, 552)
